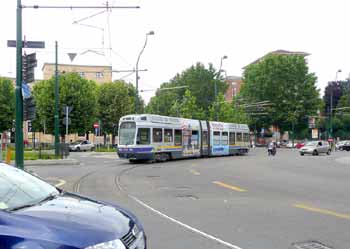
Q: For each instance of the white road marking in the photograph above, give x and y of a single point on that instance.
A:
(192, 229)
(195, 230)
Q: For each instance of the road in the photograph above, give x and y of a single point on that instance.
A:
(248, 202)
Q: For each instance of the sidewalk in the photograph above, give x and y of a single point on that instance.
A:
(54, 162)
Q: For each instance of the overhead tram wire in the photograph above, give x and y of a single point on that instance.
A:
(77, 7)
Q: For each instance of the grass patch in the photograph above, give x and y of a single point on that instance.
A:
(31, 155)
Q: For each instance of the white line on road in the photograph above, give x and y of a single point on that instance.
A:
(195, 230)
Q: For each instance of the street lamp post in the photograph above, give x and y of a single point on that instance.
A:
(215, 85)
(137, 71)
(19, 101)
(331, 106)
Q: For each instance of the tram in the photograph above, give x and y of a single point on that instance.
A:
(162, 138)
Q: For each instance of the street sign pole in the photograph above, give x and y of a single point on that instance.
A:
(57, 140)
(19, 101)
(67, 108)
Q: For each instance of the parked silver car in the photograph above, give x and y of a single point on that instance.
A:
(315, 148)
(82, 146)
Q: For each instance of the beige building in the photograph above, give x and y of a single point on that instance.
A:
(100, 74)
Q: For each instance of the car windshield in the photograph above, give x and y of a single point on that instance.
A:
(127, 133)
(18, 188)
(312, 143)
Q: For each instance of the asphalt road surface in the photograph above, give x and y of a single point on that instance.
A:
(248, 202)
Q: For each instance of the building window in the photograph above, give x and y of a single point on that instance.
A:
(99, 75)
(168, 135)
(157, 135)
(234, 92)
(82, 74)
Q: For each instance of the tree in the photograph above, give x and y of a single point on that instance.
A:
(198, 79)
(189, 108)
(7, 104)
(227, 112)
(163, 101)
(344, 101)
(284, 81)
(333, 91)
(74, 91)
(114, 101)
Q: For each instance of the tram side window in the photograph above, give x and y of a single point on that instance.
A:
(239, 137)
(157, 135)
(143, 136)
(168, 135)
(216, 137)
(246, 137)
(232, 138)
(178, 137)
(195, 139)
(205, 137)
(224, 138)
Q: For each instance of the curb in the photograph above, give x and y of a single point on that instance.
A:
(62, 162)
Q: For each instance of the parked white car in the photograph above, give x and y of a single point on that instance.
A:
(340, 144)
(82, 146)
(290, 144)
(315, 148)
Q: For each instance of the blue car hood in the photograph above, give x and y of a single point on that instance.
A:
(72, 220)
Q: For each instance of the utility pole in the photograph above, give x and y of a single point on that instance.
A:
(19, 101)
(57, 128)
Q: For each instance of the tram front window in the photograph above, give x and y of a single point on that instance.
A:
(127, 133)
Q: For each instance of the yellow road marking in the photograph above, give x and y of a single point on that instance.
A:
(322, 211)
(195, 172)
(230, 186)
(61, 183)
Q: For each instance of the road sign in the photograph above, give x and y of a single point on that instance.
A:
(26, 91)
(28, 109)
(29, 63)
(30, 126)
(26, 44)
(65, 109)
(64, 120)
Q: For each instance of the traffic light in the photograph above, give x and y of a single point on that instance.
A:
(28, 109)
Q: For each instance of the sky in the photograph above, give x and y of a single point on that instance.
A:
(186, 32)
